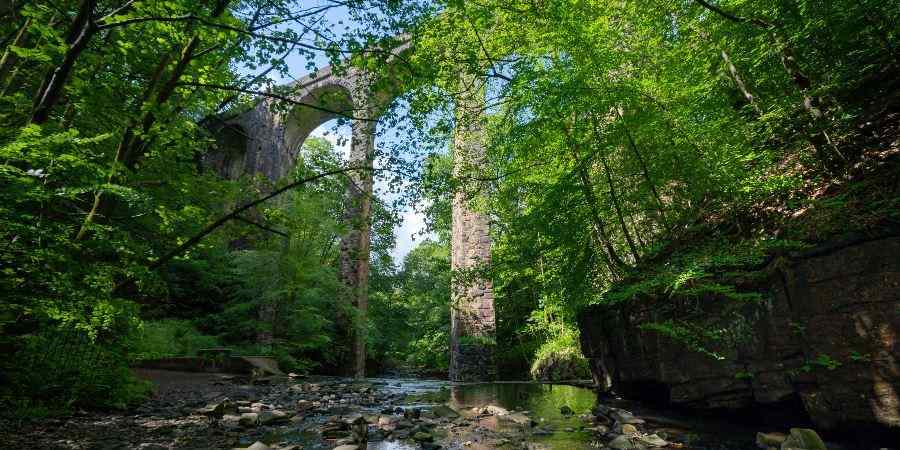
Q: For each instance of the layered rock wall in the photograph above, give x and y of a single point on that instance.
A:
(824, 335)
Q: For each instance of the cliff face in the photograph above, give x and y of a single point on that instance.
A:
(825, 334)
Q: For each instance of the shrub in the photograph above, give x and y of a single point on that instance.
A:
(171, 337)
(560, 359)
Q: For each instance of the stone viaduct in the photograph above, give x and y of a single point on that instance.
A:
(266, 140)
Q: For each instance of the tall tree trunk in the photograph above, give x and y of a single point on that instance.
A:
(132, 145)
(80, 33)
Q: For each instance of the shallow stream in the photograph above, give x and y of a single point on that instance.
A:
(542, 403)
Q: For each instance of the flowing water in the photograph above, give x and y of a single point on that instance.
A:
(542, 403)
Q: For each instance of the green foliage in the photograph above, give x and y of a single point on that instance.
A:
(410, 316)
(169, 337)
(560, 358)
(104, 158)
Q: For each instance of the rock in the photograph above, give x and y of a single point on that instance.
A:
(230, 421)
(387, 422)
(624, 417)
(519, 419)
(249, 419)
(217, 410)
(335, 430)
(623, 442)
(429, 446)
(444, 411)
(347, 447)
(629, 429)
(766, 440)
(272, 417)
(803, 438)
(565, 410)
(652, 440)
(412, 413)
(422, 436)
(255, 446)
(493, 410)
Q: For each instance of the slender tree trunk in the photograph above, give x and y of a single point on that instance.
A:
(818, 135)
(661, 212)
(80, 33)
(739, 82)
(100, 205)
(613, 260)
(9, 57)
(618, 206)
(132, 146)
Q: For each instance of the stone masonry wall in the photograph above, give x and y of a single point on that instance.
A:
(473, 323)
(825, 338)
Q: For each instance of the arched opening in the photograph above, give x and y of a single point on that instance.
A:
(327, 102)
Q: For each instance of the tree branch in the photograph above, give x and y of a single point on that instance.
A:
(213, 226)
(260, 226)
(733, 17)
(275, 96)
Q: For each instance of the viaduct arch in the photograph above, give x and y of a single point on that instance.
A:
(271, 140)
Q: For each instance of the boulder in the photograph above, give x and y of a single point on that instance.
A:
(767, 440)
(249, 419)
(651, 440)
(256, 446)
(623, 442)
(519, 419)
(444, 411)
(803, 438)
(272, 417)
(492, 410)
(230, 421)
(628, 429)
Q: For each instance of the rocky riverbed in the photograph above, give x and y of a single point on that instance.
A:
(220, 411)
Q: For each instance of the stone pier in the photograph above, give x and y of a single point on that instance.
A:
(473, 323)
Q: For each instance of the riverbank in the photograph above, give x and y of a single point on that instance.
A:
(204, 411)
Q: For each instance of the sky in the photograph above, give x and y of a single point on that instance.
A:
(408, 232)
